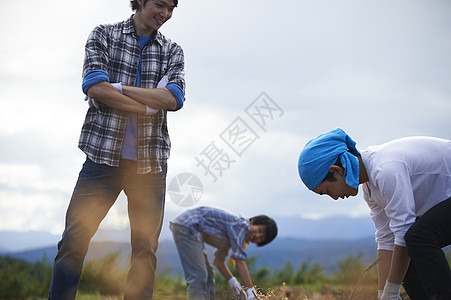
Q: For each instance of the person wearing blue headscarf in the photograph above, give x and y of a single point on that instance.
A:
(322, 152)
(407, 186)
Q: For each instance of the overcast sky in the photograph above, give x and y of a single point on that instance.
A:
(378, 69)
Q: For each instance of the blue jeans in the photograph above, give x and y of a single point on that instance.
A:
(429, 276)
(198, 272)
(97, 189)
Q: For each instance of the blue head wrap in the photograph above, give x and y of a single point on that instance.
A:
(322, 152)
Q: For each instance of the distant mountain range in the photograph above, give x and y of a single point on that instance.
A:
(324, 241)
(336, 228)
(274, 255)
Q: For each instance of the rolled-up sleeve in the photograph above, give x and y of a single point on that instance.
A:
(96, 54)
(176, 66)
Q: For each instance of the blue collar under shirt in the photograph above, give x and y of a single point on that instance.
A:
(130, 145)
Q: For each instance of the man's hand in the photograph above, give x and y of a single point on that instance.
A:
(250, 294)
(94, 103)
(161, 84)
(391, 291)
(149, 110)
(236, 287)
(242, 296)
(118, 86)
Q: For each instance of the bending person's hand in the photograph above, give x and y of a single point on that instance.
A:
(391, 291)
(251, 294)
(237, 289)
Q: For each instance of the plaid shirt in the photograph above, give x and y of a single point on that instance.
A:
(217, 227)
(115, 49)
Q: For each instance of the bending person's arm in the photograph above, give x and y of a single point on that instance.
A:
(222, 268)
(242, 269)
(383, 266)
(399, 264)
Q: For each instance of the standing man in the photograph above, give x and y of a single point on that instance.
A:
(407, 186)
(126, 142)
(224, 231)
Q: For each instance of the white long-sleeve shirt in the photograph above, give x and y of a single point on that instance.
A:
(407, 177)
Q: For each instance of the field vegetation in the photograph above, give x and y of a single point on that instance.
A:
(104, 279)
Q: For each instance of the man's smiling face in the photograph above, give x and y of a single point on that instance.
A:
(257, 233)
(154, 13)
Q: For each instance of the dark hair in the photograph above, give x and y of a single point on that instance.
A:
(135, 6)
(270, 228)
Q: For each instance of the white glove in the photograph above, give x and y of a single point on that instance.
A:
(236, 286)
(391, 291)
(92, 103)
(250, 294)
(118, 86)
(150, 111)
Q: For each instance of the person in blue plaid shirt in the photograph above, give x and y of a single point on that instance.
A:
(132, 76)
(224, 231)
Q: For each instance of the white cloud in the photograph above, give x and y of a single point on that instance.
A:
(380, 70)
(25, 211)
